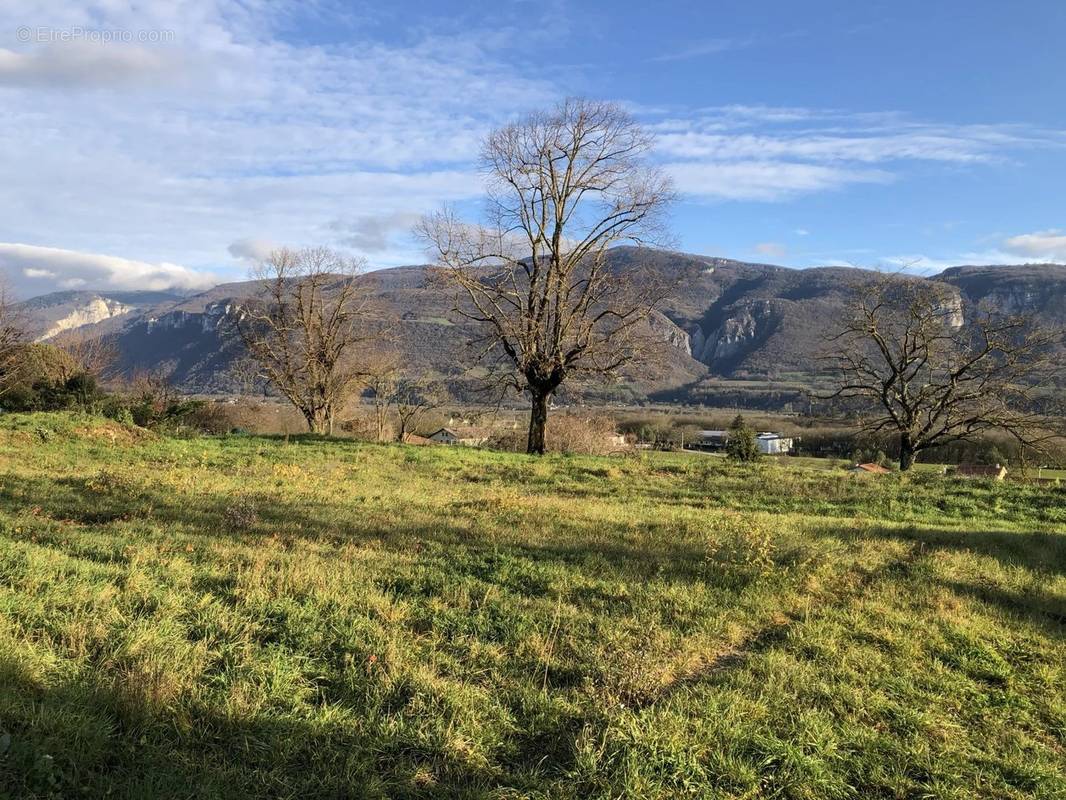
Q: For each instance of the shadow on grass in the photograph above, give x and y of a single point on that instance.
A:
(1037, 551)
(217, 516)
(1037, 607)
(1041, 553)
(88, 738)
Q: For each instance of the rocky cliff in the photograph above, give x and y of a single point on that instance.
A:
(723, 318)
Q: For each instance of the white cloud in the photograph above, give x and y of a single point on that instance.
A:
(925, 264)
(35, 268)
(706, 47)
(372, 234)
(766, 180)
(1049, 245)
(802, 232)
(765, 153)
(867, 148)
(83, 64)
(252, 251)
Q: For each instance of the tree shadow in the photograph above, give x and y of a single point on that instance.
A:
(1039, 608)
(1041, 553)
(1037, 551)
(89, 737)
(220, 516)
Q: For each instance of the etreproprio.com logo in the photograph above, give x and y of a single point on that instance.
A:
(43, 35)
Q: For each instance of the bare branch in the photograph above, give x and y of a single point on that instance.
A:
(564, 186)
(913, 360)
(306, 327)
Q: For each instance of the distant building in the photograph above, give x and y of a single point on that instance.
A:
(465, 435)
(870, 469)
(709, 440)
(994, 472)
(769, 443)
(773, 443)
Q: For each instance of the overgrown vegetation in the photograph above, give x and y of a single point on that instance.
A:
(247, 616)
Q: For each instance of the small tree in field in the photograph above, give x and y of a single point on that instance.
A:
(306, 329)
(563, 187)
(381, 380)
(90, 355)
(910, 364)
(245, 374)
(414, 399)
(741, 444)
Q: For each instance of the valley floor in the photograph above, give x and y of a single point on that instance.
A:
(261, 617)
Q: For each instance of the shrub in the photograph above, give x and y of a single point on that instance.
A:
(741, 444)
(582, 433)
(109, 482)
(746, 542)
(120, 414)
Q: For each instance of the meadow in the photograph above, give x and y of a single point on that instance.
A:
(242, 616)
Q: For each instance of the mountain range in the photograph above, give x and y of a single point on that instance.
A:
(724, 320)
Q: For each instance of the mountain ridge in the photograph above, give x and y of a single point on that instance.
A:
(725, 319)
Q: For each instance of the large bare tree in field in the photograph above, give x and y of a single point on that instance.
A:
(913, 366)
(563, 187)
(306, 329)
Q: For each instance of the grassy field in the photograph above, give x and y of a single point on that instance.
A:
(255, 617)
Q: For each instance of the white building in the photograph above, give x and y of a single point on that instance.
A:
(773, 443)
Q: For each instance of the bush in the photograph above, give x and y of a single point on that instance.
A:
(582, 433)
(746, 544)
(741, 444)
(569, 433)
(119, 413)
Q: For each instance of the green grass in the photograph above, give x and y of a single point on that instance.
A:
(255, 617)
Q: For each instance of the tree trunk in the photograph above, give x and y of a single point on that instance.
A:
(906, 453)
(318, 421)
(538, 421)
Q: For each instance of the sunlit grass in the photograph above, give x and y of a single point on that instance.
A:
(248, 617)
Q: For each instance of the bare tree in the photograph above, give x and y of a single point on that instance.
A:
(414, 398)
(393, 394)
(382, 379)
(305, 328)
(12, 339)
(153, 391)
(93, 355)
(913, 366)
(246, 374)
(563, 187)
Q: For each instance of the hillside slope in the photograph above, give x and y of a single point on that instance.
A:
(724, 318)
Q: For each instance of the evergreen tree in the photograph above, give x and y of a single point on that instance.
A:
(741, 444)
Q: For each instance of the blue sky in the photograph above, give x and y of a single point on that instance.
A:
(174, 143)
